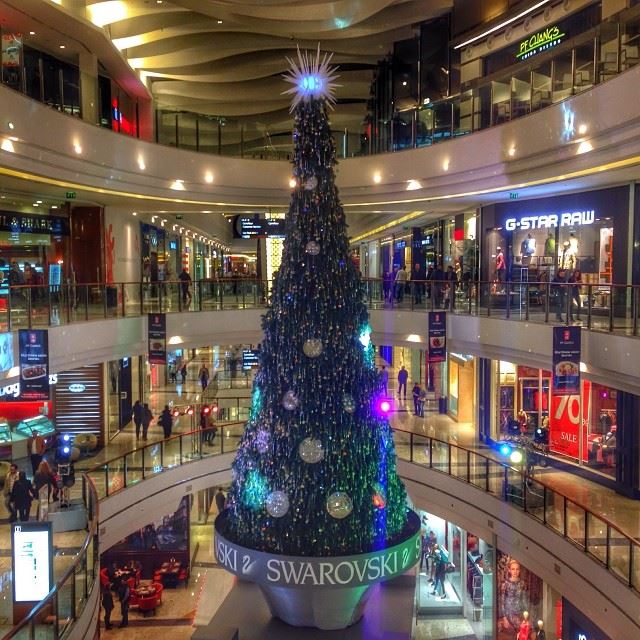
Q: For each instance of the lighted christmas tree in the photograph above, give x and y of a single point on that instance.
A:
(315, 474)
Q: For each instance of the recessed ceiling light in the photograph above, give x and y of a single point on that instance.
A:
(377, 177)
(404, 83)
(512, 151)
(582, 129)
(77, 147)
(219, 21)
(39, 201)
(54, 206)
(35, 204)
(208, 177)
(62, 46)
(32, 33)
(11, 125)
(135, 213)
(178, 185)
(292, 183)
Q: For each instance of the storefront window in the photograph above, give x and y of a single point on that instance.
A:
(581, 428)
(462, 385)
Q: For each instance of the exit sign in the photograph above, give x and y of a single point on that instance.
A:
(70, 195)
(513, 195)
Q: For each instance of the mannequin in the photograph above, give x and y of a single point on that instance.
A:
(540, 634)
(524, 633)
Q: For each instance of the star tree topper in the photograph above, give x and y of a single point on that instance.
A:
(311, 78)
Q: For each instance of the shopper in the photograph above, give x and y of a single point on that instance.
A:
(22, 495)
(418, 284)
(401, 283)
(185, 285)
(221, 500)
(560, 291)
(203, 376)
(183, 373)
(9, 481)
(403, 376)
(43, 480)
(416, 399)
(172, 372)
(166, 421)
(107, 604)
(124, 594)
(576, 282)
(438, 286)
(137, 416)
(384, 380)
(387, 285)
(429, 280)
(37, 447)
(147, 417)
(441, 558)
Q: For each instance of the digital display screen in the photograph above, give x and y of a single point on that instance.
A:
(256, 227)
(250, 358)
(32, 552)
(6, 351)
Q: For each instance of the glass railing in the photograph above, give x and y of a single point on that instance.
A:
(602, 307)
(54, 616)
(594, 534)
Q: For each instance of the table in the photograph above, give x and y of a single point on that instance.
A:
(169, 573)
(145, 592)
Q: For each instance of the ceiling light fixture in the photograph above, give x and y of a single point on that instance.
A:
(62, 46)
(178, 185)
(208, 177)
(7, 146)
(219, 21)
(32, 33)
(377, 177)
(292, 183)
(134, 213)
(77, 147)
(512, 151)
(141, 163)
(413, 185)
(582, 129)
(11, 125)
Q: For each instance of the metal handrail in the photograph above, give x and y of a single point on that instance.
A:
(603, 307)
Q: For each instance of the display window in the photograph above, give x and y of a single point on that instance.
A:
(462, 387)
(581, 428)
(455, 579)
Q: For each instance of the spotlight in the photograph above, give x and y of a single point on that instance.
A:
(190, 411)
(385, 406)
(176, 413)
(516, 457)
(505, 450)
(541, 436)
(66, 437)
(205, 409)
(66, 450)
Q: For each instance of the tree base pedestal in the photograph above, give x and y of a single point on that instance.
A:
(325, 592)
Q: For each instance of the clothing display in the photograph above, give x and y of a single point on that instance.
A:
(550, 245)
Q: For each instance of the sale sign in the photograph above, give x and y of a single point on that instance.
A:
(568, 422)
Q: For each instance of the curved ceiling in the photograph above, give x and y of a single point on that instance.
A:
(225, 58)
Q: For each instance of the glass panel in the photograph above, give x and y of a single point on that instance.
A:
(442, 122)
(65, 605)
(187, 131)
(80, 577)
(597, 537)
(562, 77)
(630, 42)
(190, 447)
(458, 462)
(619, 547)
(520, 94)
(515, 487)
(153, 459)
(608, 55)
(535, 499)
(232, 435)
(477, 471)
(403, 131)
(496, 478)
(99, 481)
(403, 444)
(555, 511)
(51, 82)
(440, 455)
(541, 87)
(575, 523)
(166, 133)
(134, 466)
(635, 560)
(71, 90)
(584, 76)
(424, 127)
(463, 114)
(171, 452)
(500, 102)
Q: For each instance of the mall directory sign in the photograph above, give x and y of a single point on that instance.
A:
(32, 556)
(566, 361)
(157, 334)
(437, 336)
(34, 364)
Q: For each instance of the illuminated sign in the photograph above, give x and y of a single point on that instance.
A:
(12, 391)
(32, 553)
(540, 41)
(76, 387)
(255, 227)
(551, 220)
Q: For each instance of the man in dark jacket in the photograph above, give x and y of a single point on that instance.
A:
(137, 416)
(438, 286)
(166, 421)
(124, 593)
(147, 417)
(22, 495)
(220, 500)
(107, 603)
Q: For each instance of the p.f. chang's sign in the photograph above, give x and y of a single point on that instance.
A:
(540, 41)
(551, 220)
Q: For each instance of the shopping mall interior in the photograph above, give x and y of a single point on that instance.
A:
(319, 320)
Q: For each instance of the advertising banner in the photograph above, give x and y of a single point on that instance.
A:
(566, 361)
(437, 336)
(32, 554)
(157, 335)
(34, 364)
(567, 424)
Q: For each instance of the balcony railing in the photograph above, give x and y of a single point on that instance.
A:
(600, 539)
(603, 307)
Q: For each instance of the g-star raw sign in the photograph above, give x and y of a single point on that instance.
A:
(341, 571)
(551, 220)
(540, 41)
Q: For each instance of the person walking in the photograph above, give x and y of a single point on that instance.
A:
(576, 282)
(166, 421)
(37, 447)
(9, 481)
(401, 282)
(403, 376)
(441, 560)
(137, 416)
(418, 283)
(415, 392)
(559, 286)
(437, 286)
(203, 376)
(147, 417)
(124, 594)
(183, 373)
(107, 605)
(22, 495)
(221, 500)
(185, 285)
(384, 380)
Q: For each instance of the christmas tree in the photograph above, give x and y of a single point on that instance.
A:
(315, 474)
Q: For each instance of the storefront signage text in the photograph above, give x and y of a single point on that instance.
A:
(551, 220)
(13, 390)
(540, 41)
(18, 223)
(76, 387)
